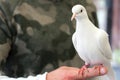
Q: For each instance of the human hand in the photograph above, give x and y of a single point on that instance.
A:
(72, 73)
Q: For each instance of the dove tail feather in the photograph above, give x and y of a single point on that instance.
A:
(110, 73)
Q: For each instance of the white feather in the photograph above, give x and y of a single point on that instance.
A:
(91, 43)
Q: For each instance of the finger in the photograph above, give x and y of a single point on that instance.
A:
(92, 72)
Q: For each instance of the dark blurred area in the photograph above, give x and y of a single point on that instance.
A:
(42, 35)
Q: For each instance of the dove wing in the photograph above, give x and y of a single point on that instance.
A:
(103, 44)
(74, 41)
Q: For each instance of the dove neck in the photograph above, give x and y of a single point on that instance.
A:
(81, 24)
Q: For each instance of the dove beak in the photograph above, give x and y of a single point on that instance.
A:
(73, 16)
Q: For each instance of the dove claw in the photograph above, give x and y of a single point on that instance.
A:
(81, 71)
(99, 67)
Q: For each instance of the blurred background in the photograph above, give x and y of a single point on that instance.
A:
(44, 33)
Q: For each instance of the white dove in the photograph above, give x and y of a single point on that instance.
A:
(91, 43)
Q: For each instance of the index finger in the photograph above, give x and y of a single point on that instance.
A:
(92, 72)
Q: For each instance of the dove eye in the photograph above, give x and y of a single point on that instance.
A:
(81, 10)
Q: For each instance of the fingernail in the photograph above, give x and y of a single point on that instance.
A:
(103, 71)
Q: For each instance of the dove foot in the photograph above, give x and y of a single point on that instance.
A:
(87, 65)
(99, 67)
(81, 71)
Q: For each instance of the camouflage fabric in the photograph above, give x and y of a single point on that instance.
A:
(41, 35)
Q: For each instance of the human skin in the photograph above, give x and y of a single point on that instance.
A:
(72, 73)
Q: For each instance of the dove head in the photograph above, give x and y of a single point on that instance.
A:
(79, 12)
